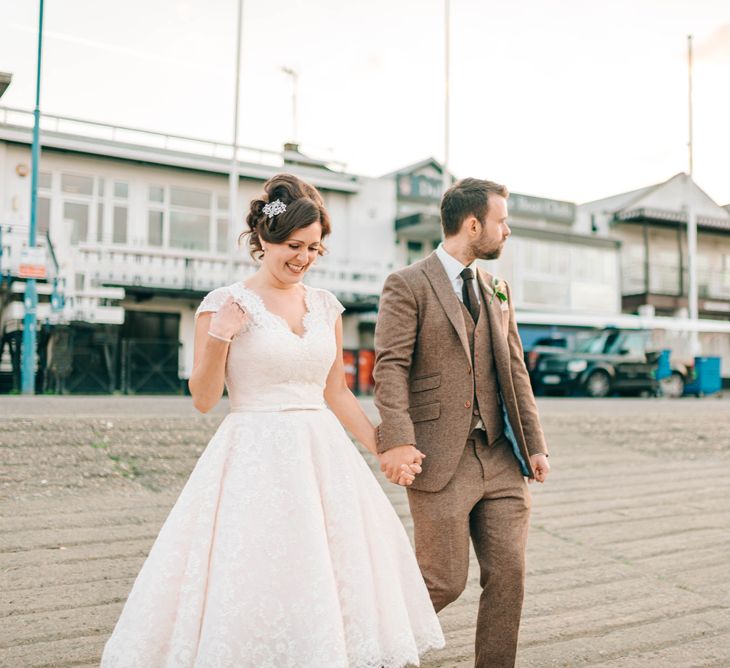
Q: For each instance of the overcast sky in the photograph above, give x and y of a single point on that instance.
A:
(571, 99)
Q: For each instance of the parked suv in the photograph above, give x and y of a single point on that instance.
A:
(612, 361)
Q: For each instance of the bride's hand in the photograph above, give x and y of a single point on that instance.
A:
(229, 320)
(408, 474)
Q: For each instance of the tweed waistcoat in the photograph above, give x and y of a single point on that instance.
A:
(486, 403)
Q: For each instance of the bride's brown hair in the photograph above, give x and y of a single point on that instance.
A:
(304, 206)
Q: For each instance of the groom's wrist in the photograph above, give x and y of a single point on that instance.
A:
(387, 439)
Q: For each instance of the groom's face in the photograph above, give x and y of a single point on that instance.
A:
(495, 230)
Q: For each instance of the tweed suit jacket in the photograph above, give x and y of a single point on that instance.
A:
(424, 377)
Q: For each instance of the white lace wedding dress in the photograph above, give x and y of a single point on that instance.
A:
(282, 551)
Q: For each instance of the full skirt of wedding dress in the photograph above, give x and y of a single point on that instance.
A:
(282, 550)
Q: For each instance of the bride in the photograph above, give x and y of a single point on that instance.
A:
(282, 550)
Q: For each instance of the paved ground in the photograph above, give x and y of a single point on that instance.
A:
(628, 556)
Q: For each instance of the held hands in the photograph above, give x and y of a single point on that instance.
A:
(401, 464)
(228, 320)
(540, 466)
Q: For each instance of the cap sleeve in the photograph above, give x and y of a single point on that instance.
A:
(333, 307)
(213, 301)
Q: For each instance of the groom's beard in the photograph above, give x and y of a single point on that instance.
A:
(483, 250)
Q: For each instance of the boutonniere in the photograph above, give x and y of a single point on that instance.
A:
(499, 290)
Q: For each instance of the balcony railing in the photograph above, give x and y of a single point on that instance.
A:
(173, 270)
(665, 280)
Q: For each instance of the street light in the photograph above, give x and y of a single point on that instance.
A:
(5, 80)
(27, 365)
(692, 297)
(295, 84)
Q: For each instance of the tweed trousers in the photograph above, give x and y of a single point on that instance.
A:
(487, 499)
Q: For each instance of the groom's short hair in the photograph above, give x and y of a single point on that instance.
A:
(468, 197)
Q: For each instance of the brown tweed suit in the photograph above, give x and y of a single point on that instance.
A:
(437, 373)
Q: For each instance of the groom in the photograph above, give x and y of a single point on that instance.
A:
(450, 382)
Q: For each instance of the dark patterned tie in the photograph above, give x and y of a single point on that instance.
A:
(469, 293)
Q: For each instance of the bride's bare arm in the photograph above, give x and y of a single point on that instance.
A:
(349, 412)
(342, 401)
(207, 379)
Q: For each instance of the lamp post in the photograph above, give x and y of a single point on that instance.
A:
(295, 85)
(27, 365)
(692, 298)
(233, 172)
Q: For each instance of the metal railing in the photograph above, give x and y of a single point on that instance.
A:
(180, 270)
(148, 138)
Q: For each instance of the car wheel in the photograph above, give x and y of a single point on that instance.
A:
(598, 385)
(673, 385)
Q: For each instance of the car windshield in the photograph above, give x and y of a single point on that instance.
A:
(596, 344)
(612, 342)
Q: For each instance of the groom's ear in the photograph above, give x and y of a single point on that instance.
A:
(473, 225)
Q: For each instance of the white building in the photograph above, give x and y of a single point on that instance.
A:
(136, 230)
(651, 224)
(135, 226)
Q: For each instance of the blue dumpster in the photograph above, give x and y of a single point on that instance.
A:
(663, 367)
(707, 379)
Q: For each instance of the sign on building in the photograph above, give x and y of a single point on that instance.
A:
(32, 263)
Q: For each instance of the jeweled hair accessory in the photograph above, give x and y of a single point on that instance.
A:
(274, 208)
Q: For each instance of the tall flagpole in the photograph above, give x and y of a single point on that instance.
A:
(447, 72)
(691, 217)
(233, 172)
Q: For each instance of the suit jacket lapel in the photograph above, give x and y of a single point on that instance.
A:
(500, 349)
(441, 285)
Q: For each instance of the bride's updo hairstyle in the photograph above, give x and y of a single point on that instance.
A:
(304, 206)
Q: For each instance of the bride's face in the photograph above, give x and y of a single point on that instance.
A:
(289, 261)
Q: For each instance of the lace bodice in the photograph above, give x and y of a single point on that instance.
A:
(269, 367)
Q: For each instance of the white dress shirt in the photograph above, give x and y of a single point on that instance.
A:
(453, 270)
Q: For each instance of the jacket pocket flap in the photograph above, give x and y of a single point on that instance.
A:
(425, 412)
(426, 383)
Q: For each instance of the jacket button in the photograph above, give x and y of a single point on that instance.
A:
(476, 412)
(467, 404)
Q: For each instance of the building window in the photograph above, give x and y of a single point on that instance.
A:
(78, 215)
(120, 225)
(190, 219)
(77, 185)
(193, 199)
(222, 235)
(120, 213)
(156, 194)
(100, 222)
(43, 214)
(154, 228)
(189, 231)
(100, 210)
